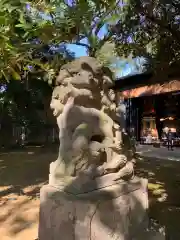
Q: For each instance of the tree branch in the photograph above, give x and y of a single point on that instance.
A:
(101, 22)
(157, 21)
(105, 39)
(168, 27)
(82, 44)
(52, 17)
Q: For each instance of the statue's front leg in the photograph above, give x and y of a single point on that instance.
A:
(60, 167)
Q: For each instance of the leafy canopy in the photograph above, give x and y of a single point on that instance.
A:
(151, 29)
(137, 28)
(26, 28)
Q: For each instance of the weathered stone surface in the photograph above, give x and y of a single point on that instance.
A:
(92, 192)
(116, 212)
(88, 117)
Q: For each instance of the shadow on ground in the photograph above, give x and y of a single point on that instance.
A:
(164, 192)
(23, 168)
(22, 173)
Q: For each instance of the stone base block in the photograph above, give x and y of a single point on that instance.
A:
(116, 212)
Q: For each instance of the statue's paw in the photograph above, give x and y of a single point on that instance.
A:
(53, 166)
(116, 163)
(57, 168)
(126, 172)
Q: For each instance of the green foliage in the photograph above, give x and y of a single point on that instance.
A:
(23, 31)
(139, 28)
(151, 29)
(32, 48)
(23, 107)
(27, 27)
(30, 38)
(108, 56)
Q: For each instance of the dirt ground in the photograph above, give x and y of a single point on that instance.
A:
(164, 193)
(23, 172)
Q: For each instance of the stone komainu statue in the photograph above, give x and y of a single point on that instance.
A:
(92, 192)
(91, 140)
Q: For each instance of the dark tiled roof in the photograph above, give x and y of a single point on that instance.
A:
(131, 81)
(171, 86)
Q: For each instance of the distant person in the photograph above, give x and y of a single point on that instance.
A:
(169, 136)
(23, 137)
(149, 139)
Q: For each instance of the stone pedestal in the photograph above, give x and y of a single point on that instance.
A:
(116, 211)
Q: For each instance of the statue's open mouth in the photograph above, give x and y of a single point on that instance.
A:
(57, 107)
(67, 103)
(55, 113)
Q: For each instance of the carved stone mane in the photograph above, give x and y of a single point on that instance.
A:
(91, 140)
